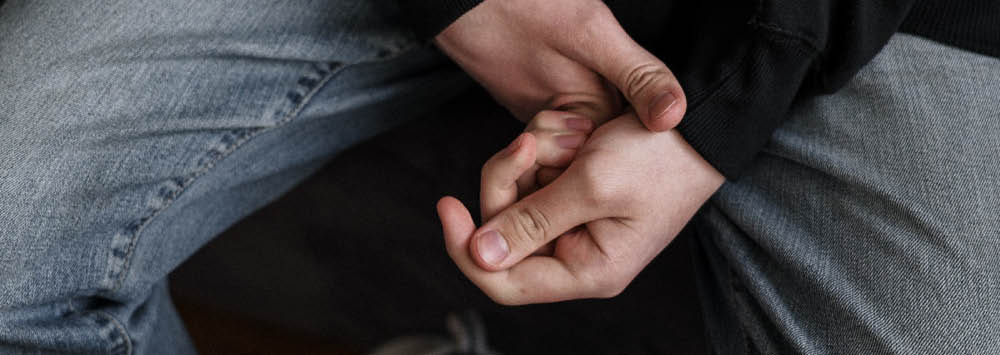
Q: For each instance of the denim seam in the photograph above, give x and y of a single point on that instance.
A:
(299, 97)
(118, 326)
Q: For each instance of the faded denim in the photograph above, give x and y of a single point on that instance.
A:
(871, 223)
(132, 132)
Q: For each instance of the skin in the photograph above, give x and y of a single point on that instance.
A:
(558, 136)
(624, 197)
(626, 192)
(534, 55)
(533, 160)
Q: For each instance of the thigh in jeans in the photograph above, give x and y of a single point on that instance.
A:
(131, 132)
(870, 223)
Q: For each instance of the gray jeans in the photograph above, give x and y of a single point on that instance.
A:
(870, 222)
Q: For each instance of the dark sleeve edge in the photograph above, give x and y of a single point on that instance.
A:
(429, 17)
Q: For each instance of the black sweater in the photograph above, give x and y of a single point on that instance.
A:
(744, 63)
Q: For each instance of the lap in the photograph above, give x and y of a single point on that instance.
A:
(870, 221)
(131, 132)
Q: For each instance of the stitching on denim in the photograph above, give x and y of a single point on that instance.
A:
(234, 140)
(119, 327)
(327, 71)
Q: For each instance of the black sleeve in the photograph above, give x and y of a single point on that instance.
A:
(744, 63)
(792, 49)
(430, 17)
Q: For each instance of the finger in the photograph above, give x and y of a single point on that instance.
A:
(546, 175)
(557, 149)
(498, 186)
(559, 135)
(527, 225)
(526, 183)
(456, 222)
(457, 225)
(643, 79)
(603, 105)
(537, 279)
(561, 121)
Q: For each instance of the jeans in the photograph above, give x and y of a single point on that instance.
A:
(871, 222)
(132, 132)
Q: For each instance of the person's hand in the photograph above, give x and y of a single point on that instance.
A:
(558, 135)
(624, 197)
(533, 55)
(539, 155)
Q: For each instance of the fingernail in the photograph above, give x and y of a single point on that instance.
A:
(570, 141)
(492, 248)
(661, 105)
(579, 124)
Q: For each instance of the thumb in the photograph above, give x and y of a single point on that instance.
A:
(531, 223)
(643, 79)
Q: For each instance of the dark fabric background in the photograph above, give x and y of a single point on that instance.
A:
(355, 254)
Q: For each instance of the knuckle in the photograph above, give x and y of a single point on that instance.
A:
(603, 193)
(529, 225)
(486, 172)
(642, 77)
(496, 164)
(606, 280)
(594, 20)
(599, 187)
(560, 158)
(547, 119)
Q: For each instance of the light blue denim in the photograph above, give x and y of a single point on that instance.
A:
(871, 223)
(132, 132)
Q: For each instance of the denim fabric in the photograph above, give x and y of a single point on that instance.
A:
(871, 223)
(132, 132)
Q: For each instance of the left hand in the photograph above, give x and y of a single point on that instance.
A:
(629, 190)
(570, 55)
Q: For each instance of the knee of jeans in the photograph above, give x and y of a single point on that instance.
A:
(57, 223)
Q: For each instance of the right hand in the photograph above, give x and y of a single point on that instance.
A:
(537, 157)
(624, 197)
(533, 55)
(558, 135)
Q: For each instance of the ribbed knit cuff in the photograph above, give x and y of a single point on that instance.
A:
(971, 25)
(430, 17)
(730, 124)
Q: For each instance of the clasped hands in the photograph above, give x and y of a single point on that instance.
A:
(579, 204)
